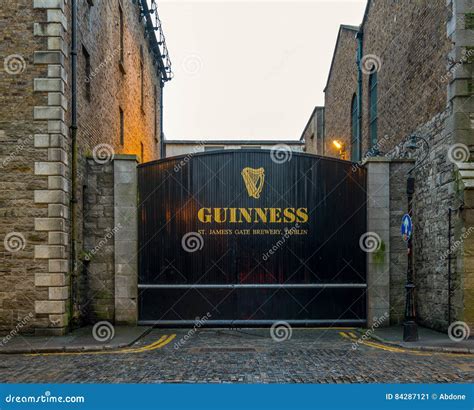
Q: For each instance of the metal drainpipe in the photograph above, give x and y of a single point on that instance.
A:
(162, 134)
(360, 44)
(450, 215)
(73, 200)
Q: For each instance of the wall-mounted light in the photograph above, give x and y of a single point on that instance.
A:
(340, 147)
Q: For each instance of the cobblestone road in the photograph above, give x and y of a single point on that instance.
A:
(247, 356)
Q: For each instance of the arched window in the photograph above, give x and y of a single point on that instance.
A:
(373, 109)
(354, 135)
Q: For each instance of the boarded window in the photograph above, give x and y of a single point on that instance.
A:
(87, 73)
(121, 28)
(373, 114)
(122, 127)
(355, 151)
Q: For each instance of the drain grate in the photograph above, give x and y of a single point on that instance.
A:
(224, 350)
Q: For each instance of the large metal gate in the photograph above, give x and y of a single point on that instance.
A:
(249, 237)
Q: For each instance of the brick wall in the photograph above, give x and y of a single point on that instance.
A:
(113, 87)
(313, 134)
(342, 84)
(35, 149)
(409, 40)
(414, 44)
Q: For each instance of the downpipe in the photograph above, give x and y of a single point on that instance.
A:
(73, 199)
(360, 46)
(162, 134)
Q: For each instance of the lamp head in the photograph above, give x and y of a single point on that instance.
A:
(412, 143)
(337, 144)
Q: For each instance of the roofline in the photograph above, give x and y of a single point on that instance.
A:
(366, 12)
(341, 27)
(349, 27)
(309, 121)
(233, 142)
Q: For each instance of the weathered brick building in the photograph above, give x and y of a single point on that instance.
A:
(79, 79)
(407, 71)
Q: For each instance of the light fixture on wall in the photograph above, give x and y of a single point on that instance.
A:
(340, 146)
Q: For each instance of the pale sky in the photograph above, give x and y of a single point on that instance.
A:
(248, 69)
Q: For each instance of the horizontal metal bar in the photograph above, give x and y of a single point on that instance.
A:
(258, 286)
(207, 323)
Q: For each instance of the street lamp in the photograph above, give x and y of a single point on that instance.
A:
(410, 328)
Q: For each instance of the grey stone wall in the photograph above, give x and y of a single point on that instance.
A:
(126, 239)
(435, 193)
(97, 266)
(377, 241)
(461, 124)
(108, 262)
(398, 248)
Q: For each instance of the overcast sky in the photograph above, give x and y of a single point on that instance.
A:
(248, 69)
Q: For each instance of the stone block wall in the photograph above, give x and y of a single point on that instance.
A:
(33, 227)
(96, 295)
(435, 194)
(126, 239)
(398, 248)
(35, 143)
(108, 264)
(378, 216)
(461, 125)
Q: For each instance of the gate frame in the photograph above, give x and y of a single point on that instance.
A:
(126, 287)
(184, 159)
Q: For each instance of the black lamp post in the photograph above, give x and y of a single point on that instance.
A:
(410, 328)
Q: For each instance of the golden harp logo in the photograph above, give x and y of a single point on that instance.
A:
(254, 180)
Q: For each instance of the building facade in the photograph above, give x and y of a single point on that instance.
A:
(184, 147)
(313, 134)
(400, 89)
(80, 79)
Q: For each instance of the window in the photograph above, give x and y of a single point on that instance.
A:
(214, 148)
(121, 28)
(122, 128)
(87, 72)
(142, 82)
(373, 109)
(355, 155)
(142, 152)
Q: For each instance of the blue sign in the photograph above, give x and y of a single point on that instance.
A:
(407, 227)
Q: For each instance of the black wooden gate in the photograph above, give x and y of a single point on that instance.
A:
(245, 237)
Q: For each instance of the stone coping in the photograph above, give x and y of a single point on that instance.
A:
(388, 160)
